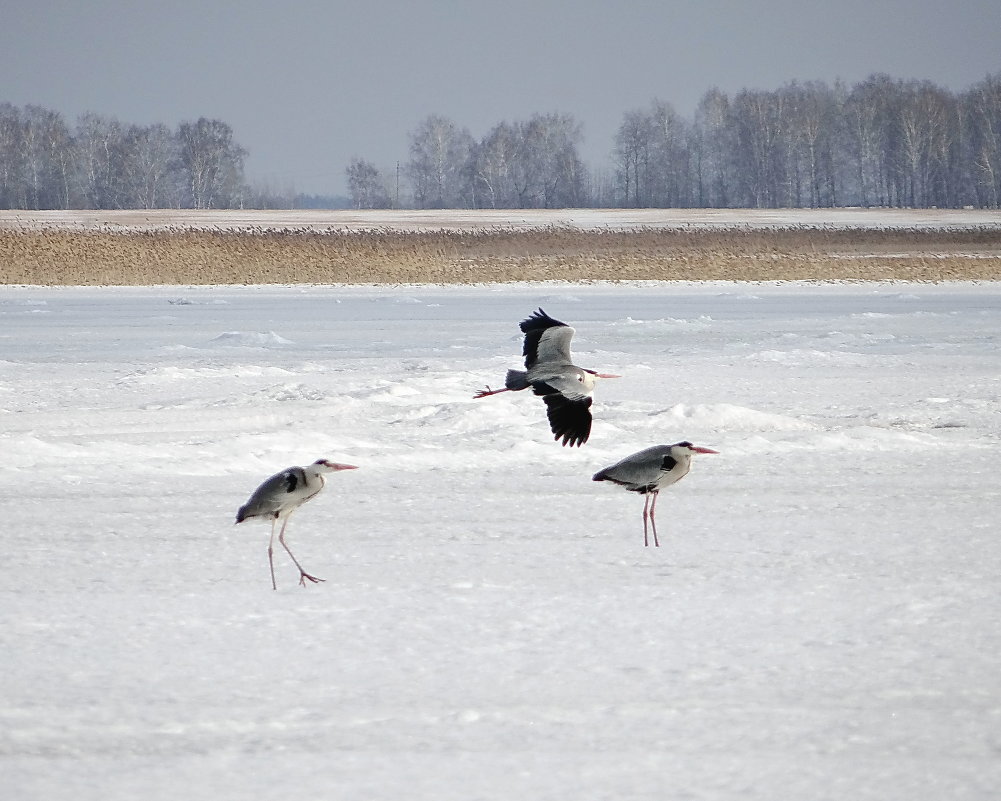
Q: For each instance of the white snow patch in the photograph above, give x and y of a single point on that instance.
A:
(797, 357)
(725, 416)
(252, 339)
(182, 301)
(819, 622)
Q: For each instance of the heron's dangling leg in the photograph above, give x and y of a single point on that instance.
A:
(485, 392)
(303, 575)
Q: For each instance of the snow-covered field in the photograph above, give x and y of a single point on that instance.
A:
(820, 623)
(454, 219)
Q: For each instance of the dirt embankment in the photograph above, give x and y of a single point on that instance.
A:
(59, 256)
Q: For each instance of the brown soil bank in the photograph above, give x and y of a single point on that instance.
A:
(284, 256)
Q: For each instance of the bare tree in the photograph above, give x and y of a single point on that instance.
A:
(759, 120)
(495, 166)
(713, 151)
(632, 154)
(44, 161)
(12, 183)
(213, 161)
(864, 115)
(930, 130)
(983, 110)
(99, 149)
(439, 165)
(671, 177)
(809, 126)
(550, 154)
(366, 186)
(150, 167)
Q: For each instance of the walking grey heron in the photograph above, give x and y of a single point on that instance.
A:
(650, 470)
(281, 495)
(549, 370)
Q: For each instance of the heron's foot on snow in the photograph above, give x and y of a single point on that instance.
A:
(304, 576)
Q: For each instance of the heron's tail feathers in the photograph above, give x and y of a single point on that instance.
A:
(516, 380)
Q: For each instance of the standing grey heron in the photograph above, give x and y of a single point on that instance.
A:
(281, 495)
(650, 470)
(549, 370)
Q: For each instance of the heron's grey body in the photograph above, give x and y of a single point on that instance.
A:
(550, 372)
(282, 494)
(650, 470)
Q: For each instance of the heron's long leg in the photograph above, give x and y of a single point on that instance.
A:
(271, 552)
(646, 505)
(303, 575)
(653, 519)
(485, 392)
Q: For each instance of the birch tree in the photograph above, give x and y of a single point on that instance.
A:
(366, 186)
(983, 110)
(439, 165)
(213, 162)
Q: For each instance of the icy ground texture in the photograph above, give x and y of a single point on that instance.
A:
(485, 219)
(821, 623)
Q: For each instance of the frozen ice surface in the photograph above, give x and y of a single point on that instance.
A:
(820, 623)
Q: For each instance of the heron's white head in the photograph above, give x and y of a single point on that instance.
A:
(326, 466)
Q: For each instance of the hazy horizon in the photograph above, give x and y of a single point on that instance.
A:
(306, 86)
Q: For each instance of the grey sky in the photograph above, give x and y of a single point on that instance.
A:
(307, 84)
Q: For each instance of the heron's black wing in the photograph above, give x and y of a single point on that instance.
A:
(546, 339)
(269, 498)
(569, 419)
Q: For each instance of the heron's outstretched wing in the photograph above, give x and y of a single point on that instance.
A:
(546, 340)
(569, 418)
(568, 405)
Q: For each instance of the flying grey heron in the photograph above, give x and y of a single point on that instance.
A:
(549, 370)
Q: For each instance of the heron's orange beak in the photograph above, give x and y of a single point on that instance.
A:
(338, 466)
(704, 450)
(607, 375)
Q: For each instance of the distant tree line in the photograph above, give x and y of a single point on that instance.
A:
(101, 163)
(531, 164)
(882, 142)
